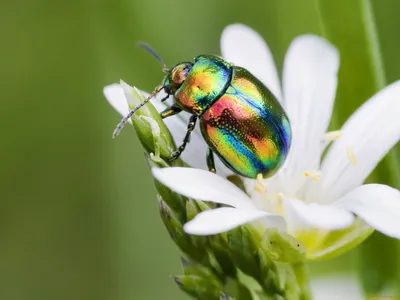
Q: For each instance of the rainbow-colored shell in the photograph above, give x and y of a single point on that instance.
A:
(240, 118)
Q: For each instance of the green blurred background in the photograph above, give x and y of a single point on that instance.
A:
(79, 218)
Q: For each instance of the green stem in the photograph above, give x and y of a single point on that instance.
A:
(391, 164)
(372, 38)
(301, 273)
(373, 44)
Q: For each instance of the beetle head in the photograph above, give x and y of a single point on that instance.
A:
(176, 76)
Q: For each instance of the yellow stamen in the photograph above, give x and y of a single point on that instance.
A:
(314, 174)
(260, 187)
(351, 156)
(279, 204)
(332, 135)
(279, 197)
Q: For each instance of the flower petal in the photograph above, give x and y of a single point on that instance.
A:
(116, 97)
(377, 204)
(366, 137)
(202, 185)
(244, 47)
(309, 88)
(177, 125)
(223, 219)
(300, 216)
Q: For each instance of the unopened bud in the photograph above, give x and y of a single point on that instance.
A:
(199, 287)
(194, 268)
(176, 202)
(272, 277)
(244, 251)
(150, 129)
(179, 236)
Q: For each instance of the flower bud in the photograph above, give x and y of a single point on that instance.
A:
(219, 248)
(199, 287)
(243, 251)
(150, 129)
(192, 209)
(193, 268)
(175, 229)
(175, 201)
(272, 278)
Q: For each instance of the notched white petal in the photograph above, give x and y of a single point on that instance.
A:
(202, 185)
(244, 47)
(378, 205)
(309, 88)
(315, 215)
(224, 219)
(369, 134)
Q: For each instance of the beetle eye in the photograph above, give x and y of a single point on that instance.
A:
(167, 89)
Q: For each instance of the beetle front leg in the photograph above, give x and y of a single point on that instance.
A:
(210, 161)
(190, 128)
(173, 110)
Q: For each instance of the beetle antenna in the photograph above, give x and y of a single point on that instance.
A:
(131, 112)
(155, 54)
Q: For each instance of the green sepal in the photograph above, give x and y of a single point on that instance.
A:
(283, 247)
(244, 251)
(194, 268)
(181, 239)
(152, 132)
(219, 247)
(237, 290)
(176, 202)
(302, 276)
(199, 287)
(272, 278)
(192, 209)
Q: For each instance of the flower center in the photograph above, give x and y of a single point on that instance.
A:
(270, 200)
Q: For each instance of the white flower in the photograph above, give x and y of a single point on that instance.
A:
(320, 201)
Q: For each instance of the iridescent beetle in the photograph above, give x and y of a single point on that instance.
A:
(240, 119)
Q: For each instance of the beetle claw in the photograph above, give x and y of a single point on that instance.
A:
(175, 155)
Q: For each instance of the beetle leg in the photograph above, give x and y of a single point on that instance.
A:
(165, 98)
(210, 161)
(170, 111)
(190, 128)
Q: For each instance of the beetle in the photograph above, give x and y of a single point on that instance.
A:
(240, 118)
